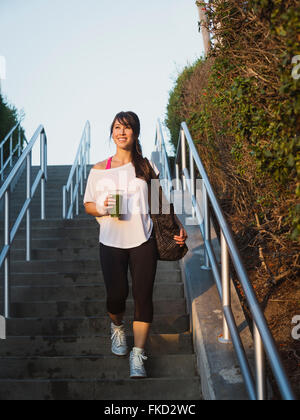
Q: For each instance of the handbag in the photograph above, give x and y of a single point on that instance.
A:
(165, 227)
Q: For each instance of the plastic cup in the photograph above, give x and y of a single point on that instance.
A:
(116, 210)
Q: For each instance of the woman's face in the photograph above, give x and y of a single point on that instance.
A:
(123, 136)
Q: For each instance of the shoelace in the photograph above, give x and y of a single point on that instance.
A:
(118, 337)
(137, 360)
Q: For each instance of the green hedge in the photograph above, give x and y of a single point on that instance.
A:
(249, 98)
(8, 119)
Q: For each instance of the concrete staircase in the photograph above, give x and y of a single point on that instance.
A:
(58, 339)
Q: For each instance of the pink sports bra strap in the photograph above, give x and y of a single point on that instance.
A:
(108, 166)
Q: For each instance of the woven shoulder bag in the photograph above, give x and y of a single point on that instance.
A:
(165, 227)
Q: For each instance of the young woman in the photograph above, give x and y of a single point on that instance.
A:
(127, 241)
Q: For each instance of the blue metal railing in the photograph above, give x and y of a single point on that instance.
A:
(5, 193)
(77, 175)
(13, 150)
(264, 342)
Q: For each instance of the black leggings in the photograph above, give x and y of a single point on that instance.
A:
(142, 262)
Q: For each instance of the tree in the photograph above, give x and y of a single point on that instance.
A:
(203, 24)
(9, 117)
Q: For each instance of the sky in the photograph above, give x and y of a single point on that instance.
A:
(69, 61)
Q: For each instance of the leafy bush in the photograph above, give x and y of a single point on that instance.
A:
(8, 119)
(242, 106)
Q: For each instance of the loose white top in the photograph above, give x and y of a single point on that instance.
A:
(135, 224)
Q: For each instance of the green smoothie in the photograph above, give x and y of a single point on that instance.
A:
(116, 210)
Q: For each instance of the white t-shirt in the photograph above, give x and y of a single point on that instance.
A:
(135, 224)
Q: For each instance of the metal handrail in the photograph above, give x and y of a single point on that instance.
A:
(263, 339)
(5, 192)
(165, 176)
(79, 169)
(12, 151)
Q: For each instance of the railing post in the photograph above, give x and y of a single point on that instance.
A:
(226, 299)
(7, 259)
(82, 170)
(2, 175)
(77, 192)
(64, 202)
(177, 177)
(80, 167)
(159, 140)
(28, 216)
(72, 199)
(261, 383)
(207, 227)
(19, 140)
(10, 151)
(89, 148)
(183, 158)
(193, 181)
(43, 151)
(162, 161)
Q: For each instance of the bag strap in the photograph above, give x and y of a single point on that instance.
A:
(108, 166)
(153, 174)
(161, 193)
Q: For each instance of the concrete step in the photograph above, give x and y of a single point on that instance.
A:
(79, 223)
(81, 309)
(157, 344)
(54, 243)
(58, 254)
(53, 266)
(67, 266)
(92, 390)
(53, 180)
(61, 233)
(52, 187)
(87, 326)
(52, 212)
(63, 224)
(84, 293)
(58, 343)
(54, 192)
(94, 367)
(75, 278)
(51, 198)
(51, 205)
(52, 171)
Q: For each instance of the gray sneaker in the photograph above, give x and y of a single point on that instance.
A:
(137, 368)
(118, 340)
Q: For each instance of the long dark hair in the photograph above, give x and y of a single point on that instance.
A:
(132, 120)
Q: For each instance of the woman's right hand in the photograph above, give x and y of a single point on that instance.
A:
(104, 207)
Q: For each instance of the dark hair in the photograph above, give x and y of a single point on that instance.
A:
(132, 120)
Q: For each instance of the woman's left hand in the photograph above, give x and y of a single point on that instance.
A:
(180, 240)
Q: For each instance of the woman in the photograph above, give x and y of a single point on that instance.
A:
(127, 241)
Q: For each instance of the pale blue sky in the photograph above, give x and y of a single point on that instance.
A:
(68, 61)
